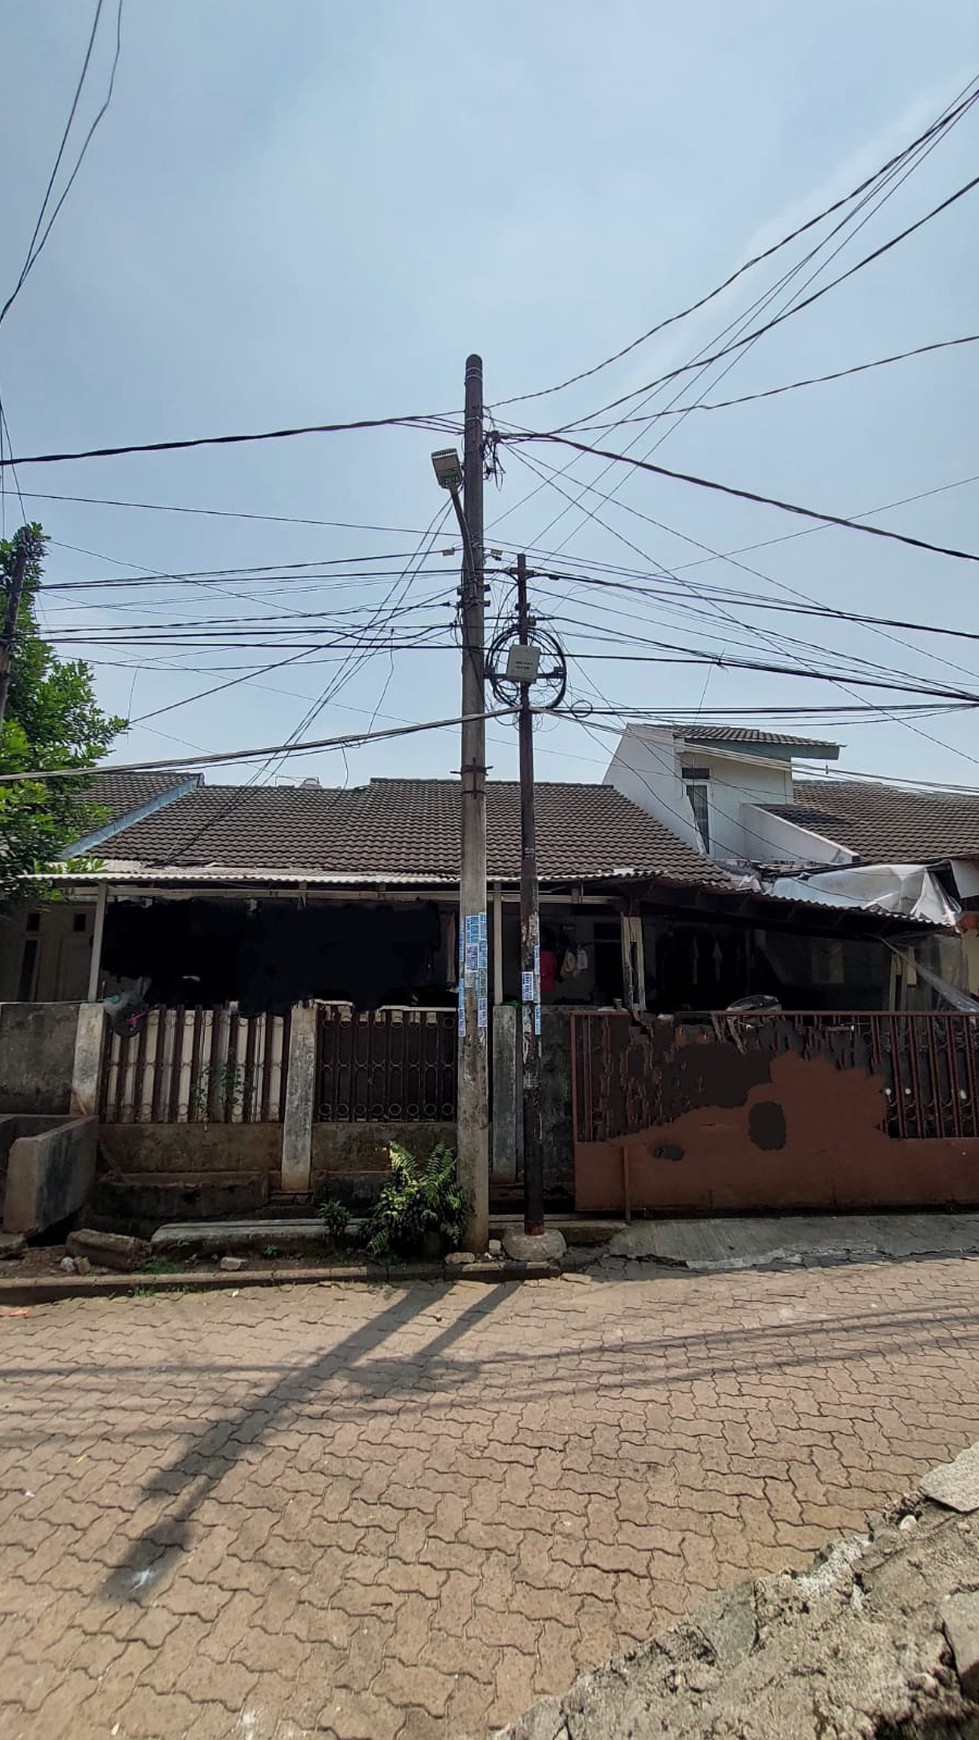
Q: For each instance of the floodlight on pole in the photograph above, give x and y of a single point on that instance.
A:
(448, 469)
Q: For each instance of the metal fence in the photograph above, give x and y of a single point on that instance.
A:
(631, 1075)
(197, 1066)
(388, 1066)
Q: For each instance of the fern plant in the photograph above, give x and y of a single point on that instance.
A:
(420, 1204)
(335, 1216)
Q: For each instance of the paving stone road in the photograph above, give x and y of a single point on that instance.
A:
(371, 1513)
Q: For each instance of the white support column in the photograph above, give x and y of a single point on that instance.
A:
(633, 963)
(95, 964)
(497, 944)
(297, 1125)
(87, 1061)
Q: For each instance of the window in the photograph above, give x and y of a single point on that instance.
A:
(79, 921)
(696, 784)
(33, 922)
(28, 967)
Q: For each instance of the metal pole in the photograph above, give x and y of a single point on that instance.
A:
(473, 1073)
(23, 542)
(533, 1155)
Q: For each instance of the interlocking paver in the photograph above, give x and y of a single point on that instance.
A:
(403, 1513)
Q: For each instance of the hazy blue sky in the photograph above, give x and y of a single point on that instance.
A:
(312, 210)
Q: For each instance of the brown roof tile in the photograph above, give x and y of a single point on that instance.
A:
(885, 824)
(585, 832)
(118, 794)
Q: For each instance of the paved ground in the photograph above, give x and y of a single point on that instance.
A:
(409, 1512)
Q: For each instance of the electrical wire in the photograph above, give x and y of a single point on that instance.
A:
(797, 308)
(38, 240)
(775, 392)
(964, 101)
(436, 420)
(752, 495)
(739, 327)
(159, 507)
(219, 758)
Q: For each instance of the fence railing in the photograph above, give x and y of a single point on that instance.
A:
(196, 1066)
(392, 1065)
(629, 1075)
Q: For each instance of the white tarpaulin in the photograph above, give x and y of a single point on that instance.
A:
(906, 890)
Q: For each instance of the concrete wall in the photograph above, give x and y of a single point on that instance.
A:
(350, 1161)
(192, 1149)
(50, 1174)
(37, 1056)
(646, 769)
(737, 783)
(787, 841)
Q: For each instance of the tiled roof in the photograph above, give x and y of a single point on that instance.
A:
(887, 824)
(815, 749)
(584, 832)
(118, 794)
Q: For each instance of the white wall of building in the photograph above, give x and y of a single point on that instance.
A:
(789, 843)
(647, 768)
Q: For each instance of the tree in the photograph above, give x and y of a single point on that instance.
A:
(52, 720)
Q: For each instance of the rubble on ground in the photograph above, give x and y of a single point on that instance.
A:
(879, 1640)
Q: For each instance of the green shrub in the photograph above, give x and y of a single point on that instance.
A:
(420, 1206)
(335, 1216)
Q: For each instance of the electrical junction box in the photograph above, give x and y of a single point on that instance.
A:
(523, 663)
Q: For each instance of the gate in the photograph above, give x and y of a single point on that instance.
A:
(769, 1110)
(389, 1066)
(196, 1066)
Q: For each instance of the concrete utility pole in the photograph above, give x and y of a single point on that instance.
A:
(533, 1154)
(473, 1071)
(23, 544)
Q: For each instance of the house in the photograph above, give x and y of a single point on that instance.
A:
(300, 949)
(46, 949)
(704, 782)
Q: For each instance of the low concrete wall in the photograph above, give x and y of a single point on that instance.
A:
(37, 1056)
(350, 1161)
(197, 1150)
(140, 1203)
(50, 1174)
(12, 1126)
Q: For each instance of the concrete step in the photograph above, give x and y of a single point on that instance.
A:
(289, 1233)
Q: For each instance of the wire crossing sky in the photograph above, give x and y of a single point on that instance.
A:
(308, 246)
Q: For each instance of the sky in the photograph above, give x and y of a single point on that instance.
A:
(313, 211)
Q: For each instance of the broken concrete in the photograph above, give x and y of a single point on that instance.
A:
(878, 1641)
(754, 1242)
(955, 1484)
(109, 1250)
(961, 1619)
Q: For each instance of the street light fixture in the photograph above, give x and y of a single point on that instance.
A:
(448, 469)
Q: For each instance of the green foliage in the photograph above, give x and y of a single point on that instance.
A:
(420, 1204)
(52, 720)
(335, 1216)
(218, 1092)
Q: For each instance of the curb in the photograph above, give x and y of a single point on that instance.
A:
(49, 1289)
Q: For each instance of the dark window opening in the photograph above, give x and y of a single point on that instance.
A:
(28, 967)
(697, 787)
(33, 923)
(79, 921)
